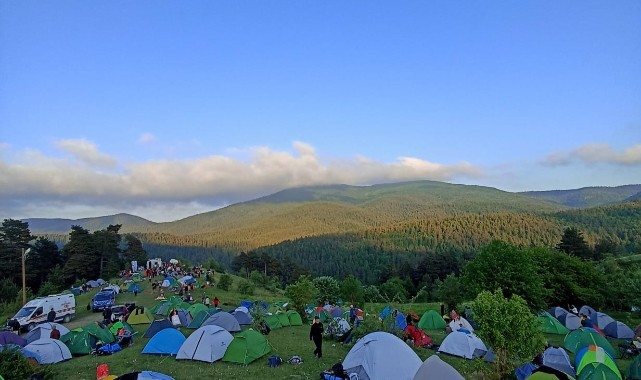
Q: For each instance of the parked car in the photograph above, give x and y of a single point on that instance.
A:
(103, 299)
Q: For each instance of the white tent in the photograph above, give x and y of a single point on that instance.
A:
(461, 323)
(436, 369)
(206, 344)
(49, 350)
(43, 330)
(381, 356)
(464, 345)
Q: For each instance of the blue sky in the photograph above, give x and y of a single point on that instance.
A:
(167, 109)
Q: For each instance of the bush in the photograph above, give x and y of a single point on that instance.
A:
(14, 366)
(245, 287)
(225, 282)
(8, 290)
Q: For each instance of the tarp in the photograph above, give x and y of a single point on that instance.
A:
(7, 337)
(224, 320)
(157, 326)
(246, 347)
(582, 337)
(431, 320)
(49, 350)
(294, 318)
(381, 355)
(44, 331)
(618, 330)
(165, 342)
(436, 369)
(464, 345)
(549, 324)
(206, 344)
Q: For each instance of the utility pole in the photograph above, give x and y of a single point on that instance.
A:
(24, 280)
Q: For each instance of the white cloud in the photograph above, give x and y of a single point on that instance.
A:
(207, 181)
(147, 138)
(86, 152)
(596, 154)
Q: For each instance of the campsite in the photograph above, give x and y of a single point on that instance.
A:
(159, 351)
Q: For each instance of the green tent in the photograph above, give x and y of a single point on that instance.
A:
(82, 340)
(634, 371)
(584, 337)
(283, 318)
(549, 324)
(137, 277)
(431, 321)
(324, 316)
(246, 347)
(595, 355)
(272, 321)
(294, 318)
(116, 326)
(138, 317)
(544, 376)
(196, 308)
(200, 318)
(598, 371)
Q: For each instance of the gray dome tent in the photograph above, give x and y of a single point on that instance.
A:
(224, 320)
(434, 368)
(207, 344)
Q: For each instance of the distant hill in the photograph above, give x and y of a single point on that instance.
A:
(588, 196)
(63, 226)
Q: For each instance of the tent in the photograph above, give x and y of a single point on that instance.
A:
(200, 318)
(601, 320)
(381, 355)
(323, 315)
(272, 321)
(634, 371)
(224, 320)
(83, 340)
(207, 344)
(587, 310)
(138, 317)
(569, 320)
(44, 331)
(134, 287)
(294, 318)
(49, 350)
(164, 342)
(336, 312)
(598, 371)
(92, 284)
(185, 317)
(101, 282)
(461, 323)
(550, 325)
(594, 354)
(436, 369)
(116, 326)
(618, 330)
(547, 373)
(113, 287)
(168, 282)
(556, 312)
(399, 322)
(431, 320)
(557, 358)
(144, 375)
(464, 345)
(583, 337)
(157, 326)
(242, 318)
(386, 311)
(196, 308)
(246, 347)
(7, 337)
(282, 317)
(187, 280)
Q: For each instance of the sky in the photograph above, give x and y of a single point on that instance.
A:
(166, 109)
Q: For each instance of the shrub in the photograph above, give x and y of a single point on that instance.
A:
(14, 366)
(225, 282)
(245, 287)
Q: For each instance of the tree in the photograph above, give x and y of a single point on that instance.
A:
(450, 291)
(301, 293)
(42, 258)
(502, 266)
(107, 244)
(351, 289)
(14, 237)
(246, 287)
(509, 328)
(573, 243)
(134, 251)
(80, 260)
(327, 289)
(393, 290)
(225, 282)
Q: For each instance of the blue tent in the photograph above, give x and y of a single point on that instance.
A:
(618, 330)
(134, 287)
(247, 304)
(400, 323)
(156, 326)
(146, 375)
(165, 342)
(557, 358)
(242, 318)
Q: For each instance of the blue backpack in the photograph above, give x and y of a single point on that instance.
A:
(274, 361)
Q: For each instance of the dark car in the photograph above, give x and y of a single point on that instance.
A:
(118, 311)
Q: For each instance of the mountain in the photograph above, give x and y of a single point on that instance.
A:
(63, 226)
(588, 196)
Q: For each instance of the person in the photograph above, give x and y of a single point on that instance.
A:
(55, 333)
(468, 312)
(408, 319)
(454, 314)
(442, 308)
(51, 316)
(135, 291)
(106, 313)
(352, 314)
(316, 334)
(216, 301)
(573, 310)
(175, 319)
(14, 325)
(207, 302)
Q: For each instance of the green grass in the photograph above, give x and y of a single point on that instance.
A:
(285, 342)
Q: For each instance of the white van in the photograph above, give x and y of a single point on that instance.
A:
(36, 310)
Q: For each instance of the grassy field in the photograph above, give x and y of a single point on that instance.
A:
(285, 342)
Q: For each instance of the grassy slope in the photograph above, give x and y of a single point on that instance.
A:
(285, 342)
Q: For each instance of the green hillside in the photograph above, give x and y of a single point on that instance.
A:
(63, 226)
(588, 196)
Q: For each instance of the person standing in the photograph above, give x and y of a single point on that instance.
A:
(216, 301)
(55, 333)
(316, 334)
(51, 316)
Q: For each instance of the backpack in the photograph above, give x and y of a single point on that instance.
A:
(274, 361)
(295, 360)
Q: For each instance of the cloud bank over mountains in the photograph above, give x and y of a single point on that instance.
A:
(83, 181)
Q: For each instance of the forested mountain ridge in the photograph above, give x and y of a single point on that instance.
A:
(588, 196)
(63, 226)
